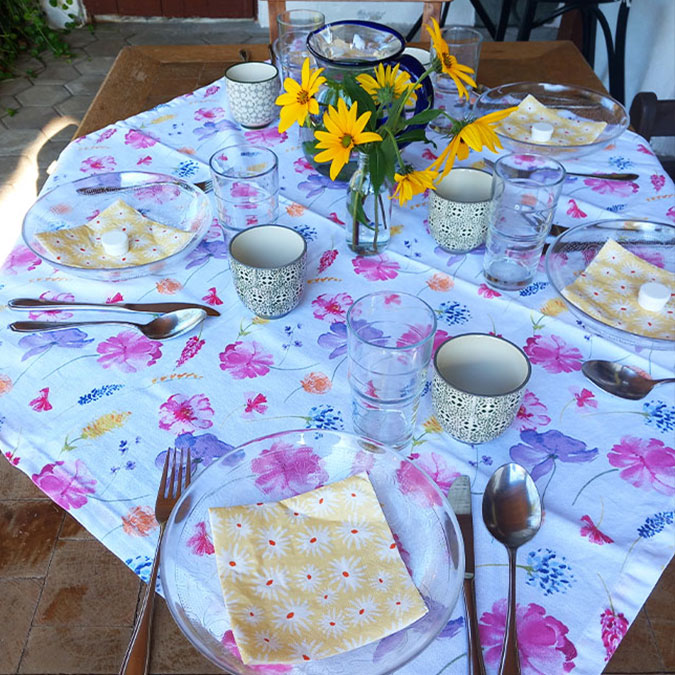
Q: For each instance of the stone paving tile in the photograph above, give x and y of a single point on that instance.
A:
(92, 65)
(14, 86)
(10, 168)
(16, 141)
(105, 47)
(80, 38)
(7, 101)
(43, 95)
(30, 118)
(85, 84)
(163, 37)
(24, 64)
(19, 598)
(75, 105)
(57, 73)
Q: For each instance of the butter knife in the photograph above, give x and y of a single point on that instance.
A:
(459, 496)
(150, 307)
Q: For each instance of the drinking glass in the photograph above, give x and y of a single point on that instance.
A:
(300, 22)
(525, 191)
(290, 52)
(245, 185)
(464, 44)
(389, 344)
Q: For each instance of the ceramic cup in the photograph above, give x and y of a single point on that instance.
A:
(459, 210)
(268, 268)
(478, 386)
(252, 89)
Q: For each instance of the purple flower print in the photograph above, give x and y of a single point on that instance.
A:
(128, 351)
(72, 338)
(265, 136)
(67, 484)
(206, 250)
(204, 449)
(209, 114)
(210, 91)
(336, 338)
(611, 187)
(671, 213)
(538, 452)
(316, 184)
(139, 140)
(105, 135)
(212, 128)
(658, 181)
(158, 193)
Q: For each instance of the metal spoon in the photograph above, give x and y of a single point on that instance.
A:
(603, 176)
(620, 380)
(165, 326)
(512, 514)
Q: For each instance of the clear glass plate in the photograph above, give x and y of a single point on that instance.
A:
(416, 510)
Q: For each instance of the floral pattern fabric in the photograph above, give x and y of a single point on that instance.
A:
(88, 413)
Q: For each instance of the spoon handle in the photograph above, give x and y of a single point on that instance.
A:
(36, 326)
(510, 663)
(665, 380)
(476, 665)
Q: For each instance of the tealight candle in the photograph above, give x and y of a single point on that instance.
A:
(115, 242)
(541, 132)
(653, 296)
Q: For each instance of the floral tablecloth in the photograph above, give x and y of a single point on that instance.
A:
(88, 413)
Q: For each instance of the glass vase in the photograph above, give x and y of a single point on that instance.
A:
(368, 222)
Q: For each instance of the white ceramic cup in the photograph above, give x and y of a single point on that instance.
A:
(478, 386)
(459, 210)
(422, 55)
(252, 89)
(268, 264)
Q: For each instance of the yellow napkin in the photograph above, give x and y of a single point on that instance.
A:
(312, 575)
(148, 240)
(608, 290)
(565, 131)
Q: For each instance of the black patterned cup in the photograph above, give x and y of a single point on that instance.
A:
(478, 386)
(252, 89)
(268, 265)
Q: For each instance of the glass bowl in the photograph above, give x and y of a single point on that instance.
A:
(581, 103)
(416, 510)
(164, 199)
(573, 250)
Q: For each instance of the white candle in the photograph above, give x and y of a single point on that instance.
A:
(541, 132)
(115, 242)
(653, 296)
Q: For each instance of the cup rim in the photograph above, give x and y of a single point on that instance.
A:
(395, 348)
(229, 78)
(268, 267)
(487, 335)
(286, 14)
(552, 164)
(241, 146)
(472, 31)
(436, 195)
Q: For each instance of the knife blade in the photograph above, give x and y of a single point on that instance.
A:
(459, 497)
(148, 307)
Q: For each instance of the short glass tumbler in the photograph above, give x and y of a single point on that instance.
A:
(245, 185)
(526, 190)
(389, 342)
(299, 22)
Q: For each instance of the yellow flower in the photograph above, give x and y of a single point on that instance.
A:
(431, 426)
(449, 64)
(299, 101)
(413, 183)
(553, 307)
(259, 321)
(387, 85)
(472, 136)
(104, 424)
(344, 133)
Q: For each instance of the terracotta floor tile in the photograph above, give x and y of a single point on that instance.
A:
(73, 530)
(16, 484)
(87, 586)
(664, 634)
(19, 598)
(661, 603)
(28, 530)
(171, 652)
(638, 652)
(74, 650)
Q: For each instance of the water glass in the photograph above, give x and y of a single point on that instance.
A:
(526, 189)
(464, 44)
(299, 22)
(389, 344)
(290, 52)
(245, 185)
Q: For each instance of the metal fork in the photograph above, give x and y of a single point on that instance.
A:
(205, 186)
(138, 653)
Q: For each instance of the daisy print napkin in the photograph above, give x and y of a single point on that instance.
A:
(149, 241)
(313, 575)
(608, 290)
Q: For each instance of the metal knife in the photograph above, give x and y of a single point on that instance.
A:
(459, 496)
(150, 307)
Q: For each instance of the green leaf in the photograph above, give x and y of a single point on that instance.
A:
(412, 136)
(357, 93)
(424, 117)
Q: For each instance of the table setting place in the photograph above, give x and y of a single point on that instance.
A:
(359, 364)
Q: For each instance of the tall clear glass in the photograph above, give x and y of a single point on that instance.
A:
(299, 22)
(389, 344)
(525, 192)
(290, 52)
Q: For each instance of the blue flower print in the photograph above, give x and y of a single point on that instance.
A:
(206, 250)
(325, 417)
(72, 338)
(186, 169)
(616, 208)
(621, 163)
(96, 394)
(141, 566)
(204, 449)
(655, 524)
(453, 312)
(533, 288)
(317, 184)
(212, 128)
(660, 415)
(548, 571)
(309, 233)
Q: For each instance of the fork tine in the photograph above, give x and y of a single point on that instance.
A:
(169, 492)
(179, 484)
(165, 471)
(188, 468)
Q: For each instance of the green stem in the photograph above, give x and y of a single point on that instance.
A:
(311, 365)
(332, 377)
(588, 482)
(32, 364)
(543, 494)
(447, 665)
(85, 356)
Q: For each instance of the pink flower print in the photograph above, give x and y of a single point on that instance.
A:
(191, 349)
(584, 398)
(574, 211)
(301, 165)
(427, 154)
(542, 640)
(12, 459)
(438, 470)
(49, 314)
(488, 292)
(244, 190)
(376, 268)
(439, 338)
(200, 543)
(209, 114)
(658, 181)
(415, 483)
(21, 259)
(613, 627)
(229, 643)
(646, 464)
(144, 161)
(180, 414)
(255, 403)
(591, 531)
(285, 469)
(553, 353)
(67, 484)
(644, 149)
(211, 298)
(671, 213)
(210, 91)
(246, 360)
(415, 333)
(139, 140)
(327, 259)
(335, 218)
(392, 299)
(41, 403)
(611, 187)
(265, 136)
(118, 297)
(334, 307)
(105, 135)
(531, 413)
(128, 351)
(106, 163)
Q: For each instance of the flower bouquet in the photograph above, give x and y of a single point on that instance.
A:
(371, 117)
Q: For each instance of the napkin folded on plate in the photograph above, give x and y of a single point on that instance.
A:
(566, 130)
(608, 290)
(149, 241)
(313, 575)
